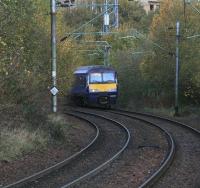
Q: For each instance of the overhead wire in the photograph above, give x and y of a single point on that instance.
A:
(87, 23)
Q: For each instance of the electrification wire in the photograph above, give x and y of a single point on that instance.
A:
(144, 37)
(87, 23)
(194, 36)
(195, 8)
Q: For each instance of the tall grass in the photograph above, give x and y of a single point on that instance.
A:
(13, 143)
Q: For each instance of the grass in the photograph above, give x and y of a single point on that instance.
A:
(161, 111)
(58, 127)
(183, 111)
(13, 143)
(20, 136)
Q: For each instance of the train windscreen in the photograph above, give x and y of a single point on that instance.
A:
(106, 77)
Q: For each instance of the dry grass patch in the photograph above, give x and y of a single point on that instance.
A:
(19, 136)
(13, 143)
(58, 127)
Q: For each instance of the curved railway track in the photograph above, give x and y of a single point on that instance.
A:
(107, 162)
(164, 163)
(104, 153)
(59, 165)
(111, 140)
(168, 158)
(185, 169)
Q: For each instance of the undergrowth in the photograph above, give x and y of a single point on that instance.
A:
(22, 133)
(13, 143)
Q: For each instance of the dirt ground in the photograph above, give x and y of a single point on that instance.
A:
(79, 136)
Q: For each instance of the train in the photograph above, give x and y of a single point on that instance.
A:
(95, 85)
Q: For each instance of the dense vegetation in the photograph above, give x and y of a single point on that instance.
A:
(159, 68)
(146, 71)
(25, 50)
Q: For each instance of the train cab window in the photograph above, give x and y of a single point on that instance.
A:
(95, 78)
(109, 77)
(80, 80)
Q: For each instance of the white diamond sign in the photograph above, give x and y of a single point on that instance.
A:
(54, 91)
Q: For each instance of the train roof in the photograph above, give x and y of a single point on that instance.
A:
(92, 68)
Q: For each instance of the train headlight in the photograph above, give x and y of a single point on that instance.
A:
(113, 96)
(93, 90)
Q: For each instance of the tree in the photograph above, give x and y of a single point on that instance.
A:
(160, 68)
(23, 51)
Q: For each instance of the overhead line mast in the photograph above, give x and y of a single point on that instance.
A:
(116, 14)
(54, 90)
(106, 18)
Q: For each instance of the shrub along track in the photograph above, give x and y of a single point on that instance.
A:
(185, 169)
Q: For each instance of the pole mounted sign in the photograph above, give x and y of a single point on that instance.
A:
(54, 91)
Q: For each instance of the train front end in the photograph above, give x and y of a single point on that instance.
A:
(95, 85)
(102, 87)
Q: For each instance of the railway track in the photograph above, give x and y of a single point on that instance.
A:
(133, 155)
(102, 146)
(113, 137)
(185, 169)
(59, 165)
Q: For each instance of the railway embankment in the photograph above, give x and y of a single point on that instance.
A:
(188, 115)
(34, 146)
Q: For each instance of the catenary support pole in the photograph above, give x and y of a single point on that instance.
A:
(106, 18)
(177, 69)
(116, 14)
(53, 55)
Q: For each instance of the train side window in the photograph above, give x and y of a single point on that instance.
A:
(80, 80)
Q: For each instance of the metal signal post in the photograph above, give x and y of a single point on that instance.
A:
(177, 69)
(106, 18)
(54, 90)
(116, 14)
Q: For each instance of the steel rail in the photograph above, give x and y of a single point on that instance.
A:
(163, 118)
(177, 123)
(169, 156)
(60, 164)
(103, 165)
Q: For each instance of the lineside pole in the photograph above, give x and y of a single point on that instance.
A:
(116, 14)
(177, 69)
(53, 55)
(106, 18)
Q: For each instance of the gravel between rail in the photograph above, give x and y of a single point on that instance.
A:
(185, 169)
(109, 142)
(145, 153)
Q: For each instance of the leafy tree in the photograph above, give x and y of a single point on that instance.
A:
(133, 15)
(159, 69)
